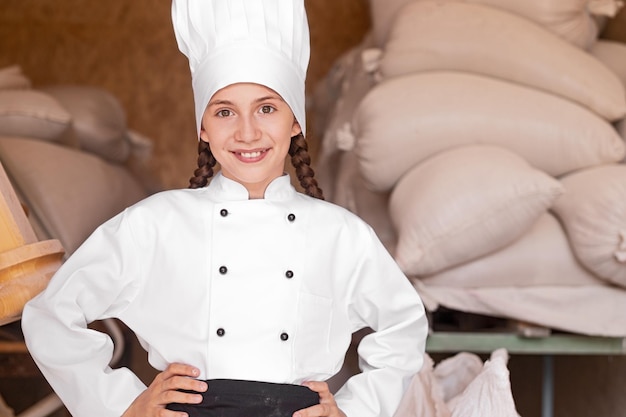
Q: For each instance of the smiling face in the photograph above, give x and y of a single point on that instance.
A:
(249, 128)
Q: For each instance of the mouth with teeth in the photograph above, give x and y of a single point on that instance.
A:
(251, 156)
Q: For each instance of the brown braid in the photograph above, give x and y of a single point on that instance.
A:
(301, 161)
(206, 162)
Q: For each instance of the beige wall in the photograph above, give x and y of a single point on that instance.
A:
(128, 48)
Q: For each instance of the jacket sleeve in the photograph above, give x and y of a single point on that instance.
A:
(96, 282)
(384, 300)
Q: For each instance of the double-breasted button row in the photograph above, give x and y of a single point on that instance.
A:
(224, 270)
(284, 336)
(291, 217)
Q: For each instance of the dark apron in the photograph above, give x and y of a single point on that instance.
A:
(235, 398)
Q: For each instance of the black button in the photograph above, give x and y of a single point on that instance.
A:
(284, 337)
(223, 212)
(223, 270)
(221, 332)
(289, 274)
(291, 217)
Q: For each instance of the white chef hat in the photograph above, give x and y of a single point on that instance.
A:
(233, 41)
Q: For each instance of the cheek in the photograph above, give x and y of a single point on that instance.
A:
(288, 130)
(284, 138)
(215, 135)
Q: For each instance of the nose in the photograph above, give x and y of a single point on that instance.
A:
(247, 129)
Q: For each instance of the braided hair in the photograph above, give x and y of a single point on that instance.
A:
(206, 163)
(300, 159)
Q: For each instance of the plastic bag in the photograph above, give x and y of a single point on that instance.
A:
(461, 386)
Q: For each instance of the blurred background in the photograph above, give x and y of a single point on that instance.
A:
(128, 49)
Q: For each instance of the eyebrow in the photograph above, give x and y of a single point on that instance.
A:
(230, 103)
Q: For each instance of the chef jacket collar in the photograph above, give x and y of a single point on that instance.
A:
(225, 189)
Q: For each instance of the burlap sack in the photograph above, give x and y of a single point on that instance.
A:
(465, 203)
(350, 192)
(592, 211)
(43, 173)
(572, 20)
(98, 120)
(332, 99)
(32, 114)
(589, 309)
(12, 78)
(540, 257)
(404, 120)
(455, 36)
(613, 55)
(621, 130)
(341, 90)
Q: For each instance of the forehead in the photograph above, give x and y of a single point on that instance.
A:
(244, 91)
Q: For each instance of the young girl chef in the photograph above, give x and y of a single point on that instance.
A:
(244, 292)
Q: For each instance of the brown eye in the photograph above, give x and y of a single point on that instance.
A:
(223, 113)
(267, 109)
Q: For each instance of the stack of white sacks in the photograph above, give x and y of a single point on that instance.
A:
(484, 142)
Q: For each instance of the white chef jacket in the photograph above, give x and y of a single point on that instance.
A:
(267, 290)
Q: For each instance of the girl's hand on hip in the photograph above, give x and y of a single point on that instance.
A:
(327, 406)
(165, 390)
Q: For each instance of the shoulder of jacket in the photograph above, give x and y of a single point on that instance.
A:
(165, 200)
(331, 211)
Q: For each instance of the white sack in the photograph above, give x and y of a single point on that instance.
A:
(350, 192)
(42, 172)
(613, 55)
(593, 212)
(596, 310)
(98, 120)
(12, 78)
(32, 114)
(403, 121)
(349, 81)
(337, 94)
(621, 129)
(572, 20)
(454, 36)
(465, 203)
(541, 257)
